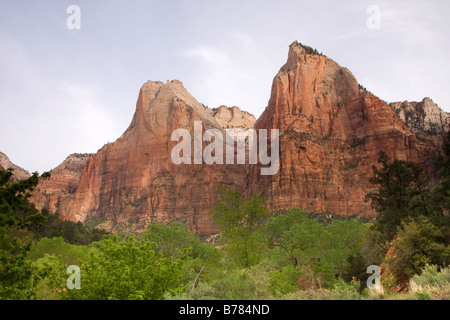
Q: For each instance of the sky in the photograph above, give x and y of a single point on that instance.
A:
(69, 80)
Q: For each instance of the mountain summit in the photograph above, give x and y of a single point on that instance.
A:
(331, 131)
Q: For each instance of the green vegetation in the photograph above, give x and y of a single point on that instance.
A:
(310, 50)
(242, 225)
(412, 229)
(401, 193)
(74, 233)
(260, 254)
(17, 218)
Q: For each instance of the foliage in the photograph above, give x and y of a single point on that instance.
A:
(174, 241)
(72, 232)
(16, 273)
(412, 218)
(325, 251)
(344, 291)
(423, 295)
(346, 239)
(241, 222)
(341, 290)
(419, 243)
(15, 209)
(127, 270)
(432, 283)
(234, 284)
(401, 193)
(51, 277)
(432, 276)
(439, 198)
(70, 254)
(285, 280)
(17, 215)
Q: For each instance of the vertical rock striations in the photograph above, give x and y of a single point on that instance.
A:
(331, 131)
(57, 192)
(134, 179)
(423, 117)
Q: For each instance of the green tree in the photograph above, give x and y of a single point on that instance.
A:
(174, 240)
(439, 198)
(72, 232)
(346, 241)
(321, 252)
(241, 224)
(17, 217)
(125, 270)
(70, 253)
(419, 243)
(301, 239)
(402, 192)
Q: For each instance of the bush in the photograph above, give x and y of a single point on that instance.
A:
(423, 295)
(235, 284)
(341, 290)
(344, 291)
(174, 240)
(431, 276)
(432, 282)
(419, 243)
(285, 280)
(71, 232)
(125, 270)
(70, 254)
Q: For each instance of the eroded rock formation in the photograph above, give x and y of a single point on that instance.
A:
(56, 194)
(18, 172)
(331, 131)
(133, 180)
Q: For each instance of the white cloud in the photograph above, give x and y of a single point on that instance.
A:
(230, 72)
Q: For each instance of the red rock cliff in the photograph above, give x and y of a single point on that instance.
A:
(133, 180)
(331, 131)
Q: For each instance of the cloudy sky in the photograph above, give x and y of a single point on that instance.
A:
(73, 90)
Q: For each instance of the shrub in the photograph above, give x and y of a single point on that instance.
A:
(344, 291)
(71, 254)
(127, 270)
(419, 243)
(432, 282)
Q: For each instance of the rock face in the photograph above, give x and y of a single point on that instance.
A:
(233, 117)
(331, 131)
(18, 172)
(133, 180)
(57, 192)
(423, 117)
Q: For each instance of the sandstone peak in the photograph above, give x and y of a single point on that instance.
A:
(162, 108)
(233, 117)
(300, 53)
(75, 161)
(300, 48)
(331, 131)
(18, 173)
(424, 117)
(134, 179)
(55, 193)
